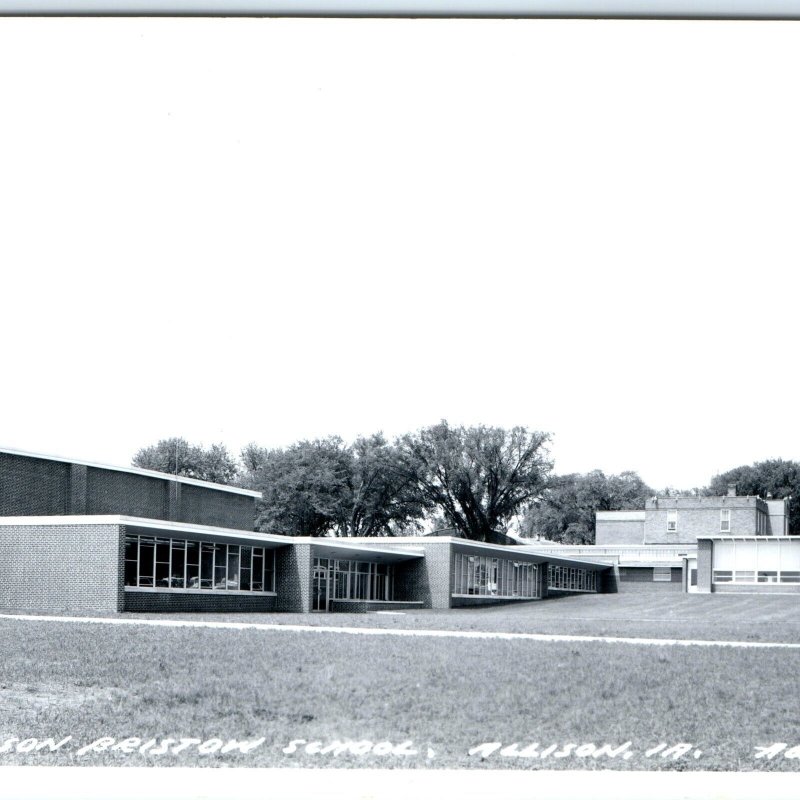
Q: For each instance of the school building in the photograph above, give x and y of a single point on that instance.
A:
(728, 543)
(84, 537)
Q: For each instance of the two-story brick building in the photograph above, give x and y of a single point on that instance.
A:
(671, 541)
(80, 536)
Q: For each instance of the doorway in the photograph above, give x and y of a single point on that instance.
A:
(320, 591)
(691, 575)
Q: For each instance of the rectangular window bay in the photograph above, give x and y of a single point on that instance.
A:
(486, 576)
(341, 579)
(185, 565)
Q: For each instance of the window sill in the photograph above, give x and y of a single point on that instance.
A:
(169, 590)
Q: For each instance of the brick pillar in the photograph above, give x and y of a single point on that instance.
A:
(293, 578)
(77, 489)
(704, 565)
(544, 569)
(438, 571)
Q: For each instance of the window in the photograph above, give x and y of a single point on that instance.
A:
(572, 579)
(352, 580)
(764, 561)
(180, 564)
(662, 574)
(494, 577)
(672, 520)
(725, 520)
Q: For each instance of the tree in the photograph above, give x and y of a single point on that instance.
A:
(478, 477)
(775, 477)
(565, 512)
(303, 486)
(177, 457)
(384, 499)
(322, 487)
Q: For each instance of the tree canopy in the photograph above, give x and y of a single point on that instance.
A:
(478, 477)
(177, 457)
(565, 511)
(324, 486)
(774, 477)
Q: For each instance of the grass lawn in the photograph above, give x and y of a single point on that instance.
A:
(445, 696)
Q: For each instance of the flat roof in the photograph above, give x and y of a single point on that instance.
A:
(155, 525)
(734, 538)
(149, 473)
(391, 544)
(620, 516)
(338, 548)
(508, 550)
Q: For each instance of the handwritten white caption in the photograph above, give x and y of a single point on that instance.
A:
(364, 747)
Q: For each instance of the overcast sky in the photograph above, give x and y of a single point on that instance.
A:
(267, 230)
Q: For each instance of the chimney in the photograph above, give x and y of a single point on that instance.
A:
(731, 490)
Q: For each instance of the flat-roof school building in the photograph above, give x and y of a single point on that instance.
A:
(79, 536)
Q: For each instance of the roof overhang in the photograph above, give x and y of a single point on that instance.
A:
(157, 527)
(724, 538)
(620, 516)
(325, 548)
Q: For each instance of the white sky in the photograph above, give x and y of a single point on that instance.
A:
(237, 230)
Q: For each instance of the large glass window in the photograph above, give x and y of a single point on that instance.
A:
(572, 579)
(494, 577)
(756, 561)
(182, 564)
(353, 580)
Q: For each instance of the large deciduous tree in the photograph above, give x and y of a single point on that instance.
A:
(565, 511)
(774, 477)
(303, 486)
(322, 487)
(177, 457)
(478, 477)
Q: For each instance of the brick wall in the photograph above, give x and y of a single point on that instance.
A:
(468, 602)
(78, 490)
(645, 575)
(618, 531)
(365, 606)
(757, 588)
(184, 601)
(641, 578)
(61, 567)
(293, 578)
(777, 525)
(704, 560)
(699, 516)
(203, 506)
(111, 492)
(33, 486)
(428, 579)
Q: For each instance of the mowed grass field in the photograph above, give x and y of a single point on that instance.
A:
(433, 699)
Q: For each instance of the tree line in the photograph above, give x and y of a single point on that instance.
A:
(480, 480)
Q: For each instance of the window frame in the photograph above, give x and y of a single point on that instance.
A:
(672, 520)
(196, 547)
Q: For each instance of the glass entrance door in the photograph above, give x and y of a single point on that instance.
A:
(691, 577)
(320, 591)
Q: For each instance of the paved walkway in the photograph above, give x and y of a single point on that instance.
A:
(277, 628)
